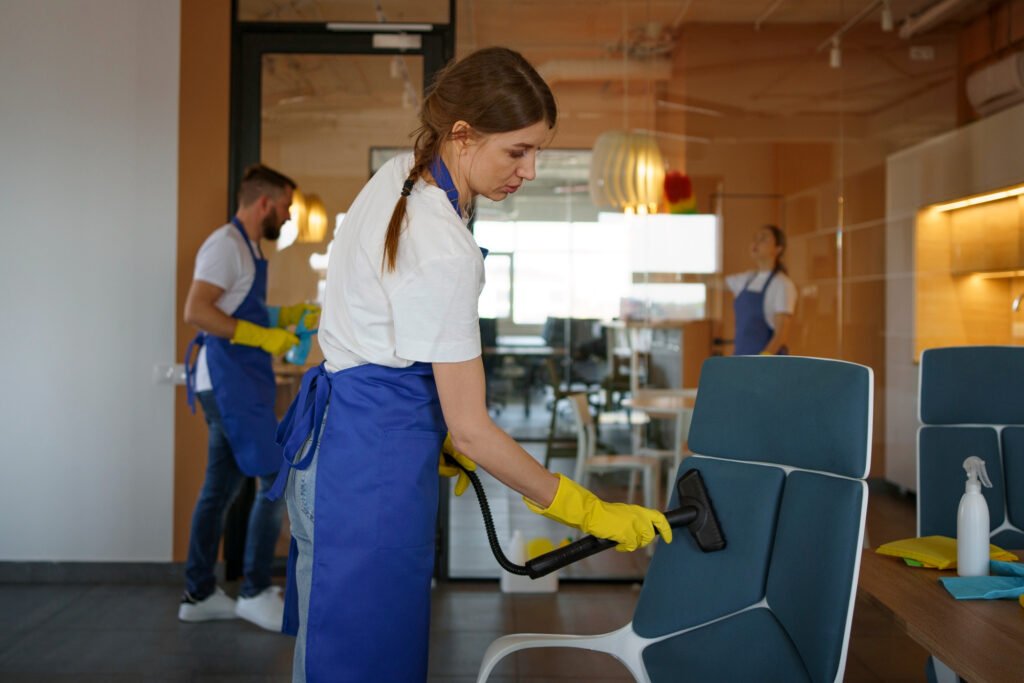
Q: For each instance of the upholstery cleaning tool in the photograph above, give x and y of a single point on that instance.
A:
(695, 511)
(298, 353)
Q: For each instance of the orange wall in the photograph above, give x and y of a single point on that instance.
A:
(202, 205)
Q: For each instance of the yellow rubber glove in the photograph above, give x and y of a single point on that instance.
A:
(446, 470)
(291, 315)
(270, 339)
(631, 525)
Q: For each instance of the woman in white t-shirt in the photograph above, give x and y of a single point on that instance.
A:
(765, 298)
(401, 343)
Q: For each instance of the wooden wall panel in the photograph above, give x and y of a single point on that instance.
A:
(202, 205)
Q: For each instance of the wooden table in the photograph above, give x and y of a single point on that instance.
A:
(982, 640)
(674, 404)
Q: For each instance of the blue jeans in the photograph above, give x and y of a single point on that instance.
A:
(223, 481)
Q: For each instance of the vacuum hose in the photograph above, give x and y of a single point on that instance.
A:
(694, 511)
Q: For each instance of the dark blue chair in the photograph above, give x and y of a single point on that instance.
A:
(783, 444)
(971, 403)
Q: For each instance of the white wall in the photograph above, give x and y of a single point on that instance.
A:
(88, 216)
(986, 155)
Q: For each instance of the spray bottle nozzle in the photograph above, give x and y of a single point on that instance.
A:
(976, 472)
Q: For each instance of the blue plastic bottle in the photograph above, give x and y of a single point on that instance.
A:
(298, 353)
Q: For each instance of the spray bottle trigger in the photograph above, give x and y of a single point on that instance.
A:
(976, 471)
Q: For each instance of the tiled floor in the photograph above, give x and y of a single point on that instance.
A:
(109, 633)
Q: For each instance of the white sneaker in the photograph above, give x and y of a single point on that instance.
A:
(265, 609)
(217, 606)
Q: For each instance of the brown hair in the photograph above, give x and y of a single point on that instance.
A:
(259, 180)
(494, 90)
(780, 241)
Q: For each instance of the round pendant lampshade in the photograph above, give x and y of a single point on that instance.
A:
(627, 172)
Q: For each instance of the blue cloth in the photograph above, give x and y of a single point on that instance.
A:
(752, 329)
(243, 380)
(375, 502)
(221, 485)
(1006, 582)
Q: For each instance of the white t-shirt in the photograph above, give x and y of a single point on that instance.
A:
(780, 297)
(426, 309)
(224, 260)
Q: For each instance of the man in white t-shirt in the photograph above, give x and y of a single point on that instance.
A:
(234, 381)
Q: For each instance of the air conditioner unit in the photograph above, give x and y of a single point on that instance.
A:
(998, 85)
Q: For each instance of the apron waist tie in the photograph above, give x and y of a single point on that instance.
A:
(301, 424)
(190, 369)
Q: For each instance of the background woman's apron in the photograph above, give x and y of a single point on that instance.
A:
(374, 524)
(243, 381)
(752, 329)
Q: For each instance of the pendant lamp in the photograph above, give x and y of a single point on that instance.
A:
(297, 211)
(314, 228)
(627, 172)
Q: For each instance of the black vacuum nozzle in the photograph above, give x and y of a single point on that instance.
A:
(695, 512)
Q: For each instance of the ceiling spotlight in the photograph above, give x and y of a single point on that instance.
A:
(887, 22)
(835, 55)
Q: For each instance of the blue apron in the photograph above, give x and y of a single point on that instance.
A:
(243, 380)
(752, 330)
(376, 513)
(376, 508)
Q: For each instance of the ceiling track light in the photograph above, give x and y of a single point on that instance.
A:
(887, 21)
(835, 54)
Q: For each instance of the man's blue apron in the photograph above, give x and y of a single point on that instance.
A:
(243, 380)
(752, 330)
(376, 508)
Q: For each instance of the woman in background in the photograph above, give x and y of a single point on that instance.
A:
(765, 298)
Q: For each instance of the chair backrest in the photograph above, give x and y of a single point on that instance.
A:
(783, 445)
(971, 402)
(586, 434)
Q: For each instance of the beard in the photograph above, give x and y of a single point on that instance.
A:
(272, 226)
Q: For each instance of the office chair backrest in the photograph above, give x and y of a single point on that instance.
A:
(783, 444)
(971, 402)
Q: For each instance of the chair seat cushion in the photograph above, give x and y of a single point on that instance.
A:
(751, 646)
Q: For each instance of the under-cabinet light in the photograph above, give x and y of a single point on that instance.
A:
(981, 199)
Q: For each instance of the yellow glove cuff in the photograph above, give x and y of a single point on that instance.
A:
(447, 470)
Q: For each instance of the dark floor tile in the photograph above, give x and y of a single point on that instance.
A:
(551, 663)
(487, 609)
(460, 653)
(858, 672)
(214, 648)
(27, 606)
(118, 607)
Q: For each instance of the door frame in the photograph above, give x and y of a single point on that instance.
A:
(251, 40)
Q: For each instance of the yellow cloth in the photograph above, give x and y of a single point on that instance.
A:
(291, 315)
(632, 526)
(935, 552)
(446, 470)
(271, 339)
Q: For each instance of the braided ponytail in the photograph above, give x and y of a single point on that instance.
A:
(427, 146)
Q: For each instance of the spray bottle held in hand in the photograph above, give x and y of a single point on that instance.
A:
(972, 528)
(298, 353)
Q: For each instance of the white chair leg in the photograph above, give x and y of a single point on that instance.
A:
(622, 644)
(633, 475)
(649, 487)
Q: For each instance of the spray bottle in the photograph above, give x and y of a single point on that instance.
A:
(298, 353)
(972, 526)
